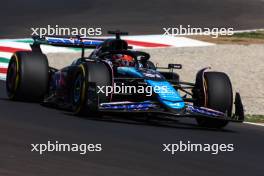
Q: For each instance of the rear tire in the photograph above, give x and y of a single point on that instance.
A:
(27, 76)
(218, 95)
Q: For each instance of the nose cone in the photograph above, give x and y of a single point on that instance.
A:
(167, 95)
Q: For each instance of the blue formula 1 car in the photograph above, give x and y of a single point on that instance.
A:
(117, 79)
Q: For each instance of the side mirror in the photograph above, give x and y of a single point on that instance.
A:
(175, 66)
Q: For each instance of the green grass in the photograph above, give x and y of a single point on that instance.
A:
(255, 118)
(4, 60)
(25, 41)
(252, 35)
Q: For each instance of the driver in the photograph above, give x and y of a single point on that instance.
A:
(124, 60)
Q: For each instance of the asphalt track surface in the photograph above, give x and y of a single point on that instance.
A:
(130, 147)
(135, 16)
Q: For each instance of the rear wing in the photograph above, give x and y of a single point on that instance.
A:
(73, 41)
(65, 41)
(68, 41)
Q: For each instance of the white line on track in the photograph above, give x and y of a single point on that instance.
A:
(249, 30)
(6, 54)
(2, 76)
(3, 65)
(257, 124)
(12, 44)
(168, 40)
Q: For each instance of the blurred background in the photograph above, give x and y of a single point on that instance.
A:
(137, 16)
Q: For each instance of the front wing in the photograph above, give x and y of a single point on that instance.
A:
(189, 110)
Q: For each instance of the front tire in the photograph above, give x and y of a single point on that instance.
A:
(216, 93)
(79, 91)
(85, 98)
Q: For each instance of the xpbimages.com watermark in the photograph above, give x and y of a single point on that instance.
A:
(61, 147)
(189, 30)
(70, 31)
(188, 146)
(126, 89)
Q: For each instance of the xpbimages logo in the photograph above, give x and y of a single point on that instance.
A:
(130, 90)
(70, 31)
(188, 146)
(60, 147)
(189, 30)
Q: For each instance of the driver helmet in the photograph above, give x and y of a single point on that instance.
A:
(124, 60)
